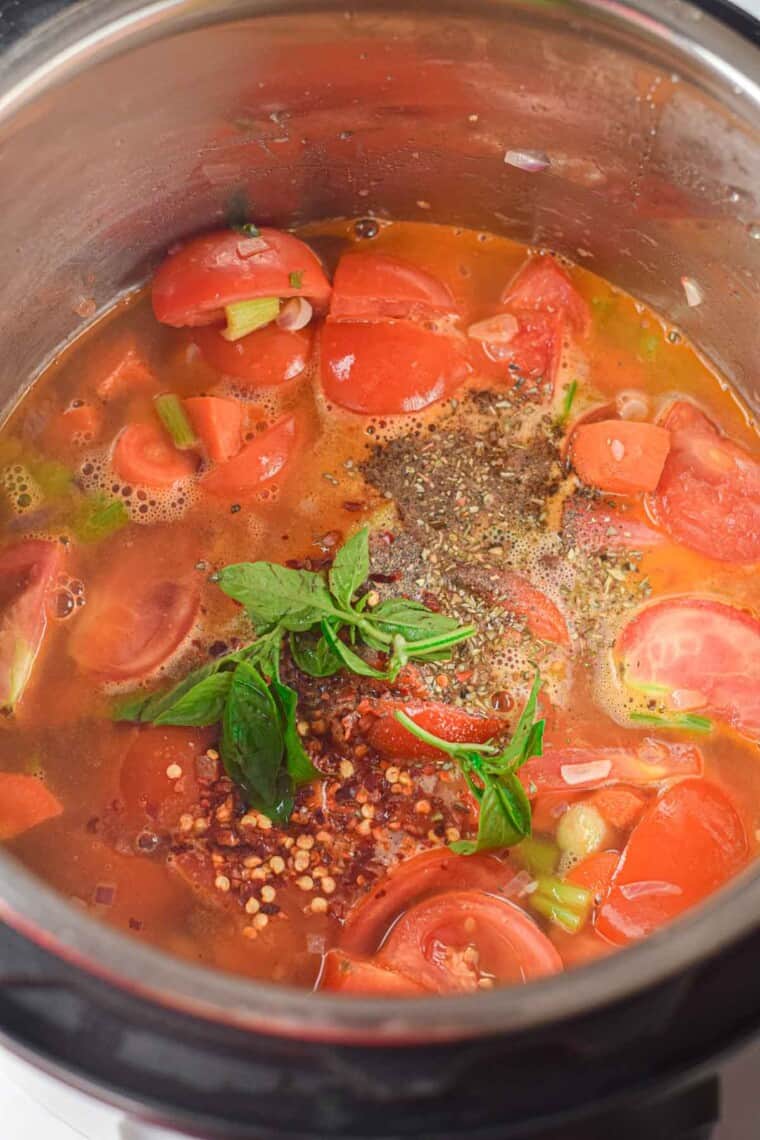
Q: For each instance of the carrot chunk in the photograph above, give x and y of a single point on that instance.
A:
(621, 456)
(216, 421)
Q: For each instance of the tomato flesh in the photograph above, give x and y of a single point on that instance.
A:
(389, 368)
(346, 973)
(709, 495)
(391, 739)
(194, 284)
(27, 572)
(687, 845)
(695, 654)
(145, 455)
(266, 357)
(257, 463)
(376, 287)
(25, 802)
(542, 286)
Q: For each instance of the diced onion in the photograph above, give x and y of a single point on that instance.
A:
(632, 404)
(316, 943)
(685, 699)
(295, 314)
(105, 893)
(494, 330)
(693, 292)
(247, 247)
(593, 770)
(647, 887)
(531, 161)
(581, 830)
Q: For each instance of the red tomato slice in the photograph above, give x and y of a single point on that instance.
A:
(144, 454)
(576, 769)
(391, 739)
(375, 286)
(217, 422)
(596, 526)
(193, 285)
(688, 844)
(696, 654)
(25, 802)
(389, 368)
(448, 943)
(516, 594)
(709, 494)
(150, 797)
(541, 286)
(594, 873)
(132, 622)
(265, 457)
(429, 873)
(120, 369)
(347, 974)
(268, 356)
(27, 572)
(533, 351)
(620, 456)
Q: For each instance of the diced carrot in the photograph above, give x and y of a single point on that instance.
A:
(79, 424)
(620, 806)
(262, 459)
(621, 456)
(217, 422)
(25, 801)
(123, 369)
(595, 872)
(145, 455)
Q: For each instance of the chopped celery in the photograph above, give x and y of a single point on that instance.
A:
(538, 856)
(174, 418)
(687, 722)
(562, 903)
(245, 317)
(567, 403)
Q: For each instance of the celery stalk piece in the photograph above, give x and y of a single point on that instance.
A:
(244, 317)
(174, 418)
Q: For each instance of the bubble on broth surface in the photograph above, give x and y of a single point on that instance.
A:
(145, 505)
(22, 491)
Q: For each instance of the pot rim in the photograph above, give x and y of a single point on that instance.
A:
(56, 51)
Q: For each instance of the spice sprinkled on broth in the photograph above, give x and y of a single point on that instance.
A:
(379, 613)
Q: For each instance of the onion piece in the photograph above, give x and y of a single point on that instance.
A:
(104, 895)
(295, 314)
(500, 329)
(531, 161)
(647, 887)
(248, 247)
(574, 774)
(693, 292)
(631, 404)
(685, 699)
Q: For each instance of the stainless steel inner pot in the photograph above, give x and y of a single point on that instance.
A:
(126, 125)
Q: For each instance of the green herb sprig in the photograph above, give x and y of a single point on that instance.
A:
(491, 774)
(243, 690)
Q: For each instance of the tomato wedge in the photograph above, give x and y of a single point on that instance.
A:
(194, 284)
(25, 802)
(576, 769)
(376, 286)
(150, 797)
(268, 356)
(542, 286)
(132, 622)
(345, 973)
(27, 571)
(687, 845)
(429, 873)
(456, 941)
(695, 654)
(391, 739)
(709, 494)
(144, 454)
(620, 456)
(120, 369)
(265, 457)
(217, 422)
(516, 594)
(389, 368)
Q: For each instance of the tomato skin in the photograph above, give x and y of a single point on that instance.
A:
(194, 284)
(709, 495)
(144, 454)
(27, 572)
(257, 463)
(376, 287)
(266, 357)
(389, 368)
(701, 647)
(419, 877)
(430, 941)
(391, 739)
(689, 842)
(149, 797)
(620, 456)
(620, 806)
(131, 623)
(651, 762)
(25, 802)
(346, 973)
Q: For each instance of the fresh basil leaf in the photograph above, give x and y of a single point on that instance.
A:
(313, 655)
(297, 759)
(277, 595)
(98, 516)
(504, 818)
(412, 620)
(527, 738)
(201, 705)
(252, 744)
(350, 659)
(350, 568)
